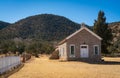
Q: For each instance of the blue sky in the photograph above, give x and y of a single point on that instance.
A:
(76, 10)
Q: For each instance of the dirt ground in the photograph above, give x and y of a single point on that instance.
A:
(44, 68)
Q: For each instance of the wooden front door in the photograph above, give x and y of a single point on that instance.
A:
(84, 51)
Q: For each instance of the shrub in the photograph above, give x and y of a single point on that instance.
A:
(37, 55)
(54, 55)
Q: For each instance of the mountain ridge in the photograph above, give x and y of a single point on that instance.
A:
(43, 26)
(4, 24)
(46, 25)
(44, 31)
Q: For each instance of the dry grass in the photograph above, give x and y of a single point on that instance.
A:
(44, 68)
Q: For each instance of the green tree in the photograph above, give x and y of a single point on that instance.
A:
(101, 28)
(20, 47)
(4, 47)
(12, 48)
(117, 45)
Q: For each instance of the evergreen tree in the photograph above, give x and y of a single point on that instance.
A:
(101, 28)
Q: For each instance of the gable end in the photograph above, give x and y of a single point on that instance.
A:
(86, 30)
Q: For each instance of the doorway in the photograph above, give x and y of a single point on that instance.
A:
(84, 51)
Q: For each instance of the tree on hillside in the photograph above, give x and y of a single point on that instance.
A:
(20, 47)
(115, 48)
(101, 28)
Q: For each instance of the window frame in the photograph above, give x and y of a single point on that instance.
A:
(61, 51)
(97, 49)
(72, 55)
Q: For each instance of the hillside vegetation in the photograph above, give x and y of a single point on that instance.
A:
(36, 34)
(41, 33)
(45, 27)
(115, 27)
(3, 24)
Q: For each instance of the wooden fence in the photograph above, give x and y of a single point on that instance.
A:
(9, 62)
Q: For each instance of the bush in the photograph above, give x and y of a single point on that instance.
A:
(36, 55)
(55, 55)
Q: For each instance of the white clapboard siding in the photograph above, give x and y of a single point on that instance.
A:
(6, 63)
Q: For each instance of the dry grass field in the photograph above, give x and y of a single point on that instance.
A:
(44, 68)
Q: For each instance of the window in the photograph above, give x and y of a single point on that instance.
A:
(96, 49)
(72, 50)
(61, 51)
(83, 46)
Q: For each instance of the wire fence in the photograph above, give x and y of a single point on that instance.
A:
(9, 62)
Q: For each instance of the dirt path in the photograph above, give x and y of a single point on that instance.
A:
(44, 68)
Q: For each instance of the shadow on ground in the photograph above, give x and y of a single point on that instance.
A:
(104, 62)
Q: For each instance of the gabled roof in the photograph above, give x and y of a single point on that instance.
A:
(82, 28)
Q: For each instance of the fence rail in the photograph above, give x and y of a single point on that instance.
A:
(6, 63)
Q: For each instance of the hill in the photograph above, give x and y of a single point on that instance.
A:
(47, 27)
(115, 27)
(3, 24)
(40, 32)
